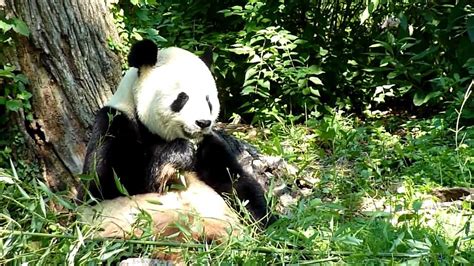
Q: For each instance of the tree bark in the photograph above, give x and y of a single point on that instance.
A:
(72, 73)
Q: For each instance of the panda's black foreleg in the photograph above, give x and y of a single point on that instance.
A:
(166, 159)
(247, 188)
(219, 167)
(114, 151)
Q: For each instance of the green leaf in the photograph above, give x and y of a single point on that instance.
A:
(397, 241)
(7, 73)
(351, 240)
(152, 34)
(42, 206)
(119, 185)
(240, 49)
(5, 26)
(403, 21)
(316, 80)
(385, 45)
(236, 8)
(417, 205)
(392, 75)
(315, 70)
(255, 59)
(112, 253)
(419, 98)
(24, 95)
(13, 105)
(250, 73)
(418, 244)
(461, 260)
(6, 179)
(21, 27)
(20, 78)
(248, 90)
(264, 84)
(249, 82)
(352, 62)
(66, 204)
(322, 51)
(275, 38)
(154, 201)
(315, 92)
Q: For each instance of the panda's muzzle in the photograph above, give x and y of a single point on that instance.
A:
(202, 123)
(205, 129)
(189, 135)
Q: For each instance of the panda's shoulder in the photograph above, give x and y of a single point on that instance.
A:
(110, 119)
(222, 148)
(235, 145)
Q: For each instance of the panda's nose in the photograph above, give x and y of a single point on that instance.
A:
(203, 123)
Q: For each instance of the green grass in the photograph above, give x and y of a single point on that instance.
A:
(369, 202)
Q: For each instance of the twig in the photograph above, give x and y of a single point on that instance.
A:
(466, 96)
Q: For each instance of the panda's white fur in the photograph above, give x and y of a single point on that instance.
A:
(158, 86)
(122, 99)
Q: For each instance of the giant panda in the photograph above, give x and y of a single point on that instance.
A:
(159, 125)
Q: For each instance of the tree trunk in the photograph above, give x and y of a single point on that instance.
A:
(72, 72)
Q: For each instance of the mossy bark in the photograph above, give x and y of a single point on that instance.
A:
(71, 71)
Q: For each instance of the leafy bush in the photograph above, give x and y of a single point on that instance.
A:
(426, 57)
(13, 94)
(292, 60)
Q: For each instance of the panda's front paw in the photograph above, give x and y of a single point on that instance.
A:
(166, 175)
(167, 160)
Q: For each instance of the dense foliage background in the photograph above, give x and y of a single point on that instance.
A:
(292, 60)
(369, 99)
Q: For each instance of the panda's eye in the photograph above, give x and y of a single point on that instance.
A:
(209, 103)
(179, 103)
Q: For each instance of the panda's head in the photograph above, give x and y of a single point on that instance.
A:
(174, 93)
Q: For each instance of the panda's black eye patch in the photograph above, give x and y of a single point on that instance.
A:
(179, 103)
(209, 103)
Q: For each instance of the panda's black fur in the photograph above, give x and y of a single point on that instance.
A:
(122, 145)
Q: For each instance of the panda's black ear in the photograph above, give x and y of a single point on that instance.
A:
(143, 53)
(207, 57)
